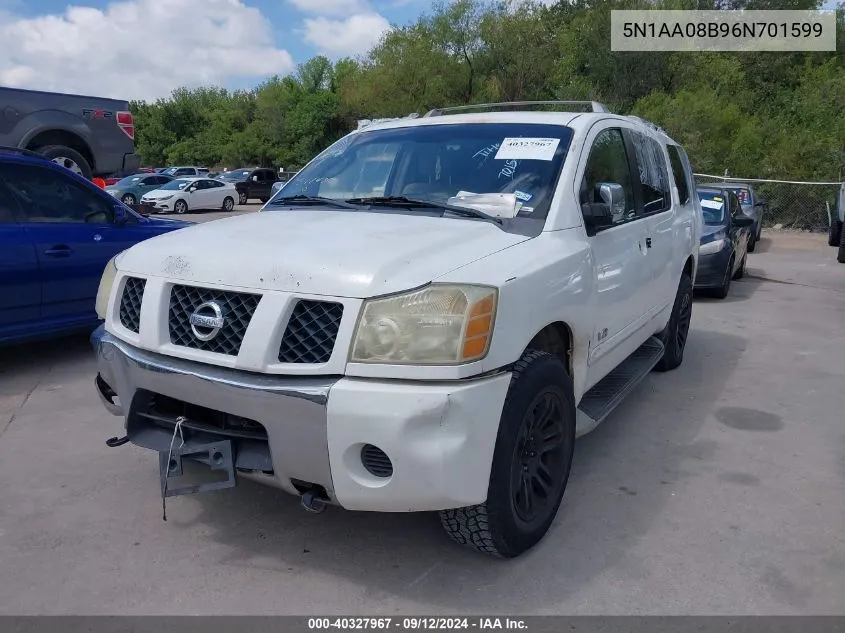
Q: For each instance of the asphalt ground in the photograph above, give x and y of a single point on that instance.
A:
(717, 488)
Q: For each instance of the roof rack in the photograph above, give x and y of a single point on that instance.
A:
(594, 105)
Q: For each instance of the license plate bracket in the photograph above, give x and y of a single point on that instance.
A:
(216, 455)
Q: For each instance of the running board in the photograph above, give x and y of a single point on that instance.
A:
(605, 396)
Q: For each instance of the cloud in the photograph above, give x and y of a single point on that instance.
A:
(331, 7)
(139, 49)
(355, 35)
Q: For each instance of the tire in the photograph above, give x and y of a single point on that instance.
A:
(840, 256)
(129, 199)
(740, 272)
(834, 234)
(180, 207)
(242, 199)
(752, 243)
(498, 526)
(68, 158)
(228, 203)
(722, 292)
(674, 335)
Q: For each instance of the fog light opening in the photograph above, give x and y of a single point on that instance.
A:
(376, 462)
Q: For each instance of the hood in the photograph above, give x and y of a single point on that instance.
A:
(323, 252)
(161, 193)
(709, 232)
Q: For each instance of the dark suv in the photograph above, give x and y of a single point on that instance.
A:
(251, 182)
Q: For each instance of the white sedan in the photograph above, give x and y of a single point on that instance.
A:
(187, 194)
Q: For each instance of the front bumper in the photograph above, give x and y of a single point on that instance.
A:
(439, 437)
(712, 269)
(157, 206)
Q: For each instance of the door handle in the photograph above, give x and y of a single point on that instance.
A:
(59, 251)
(648, 242)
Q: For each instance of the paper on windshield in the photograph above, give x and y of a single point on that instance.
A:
(527, 148)
(712, 204)
(500, 205)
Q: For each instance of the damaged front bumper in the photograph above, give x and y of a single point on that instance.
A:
(377, 445)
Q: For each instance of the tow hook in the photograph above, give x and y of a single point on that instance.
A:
(312, 503)
(117, 441)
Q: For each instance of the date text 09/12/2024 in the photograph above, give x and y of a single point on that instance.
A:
(417, 623)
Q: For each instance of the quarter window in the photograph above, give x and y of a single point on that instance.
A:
(679, 173)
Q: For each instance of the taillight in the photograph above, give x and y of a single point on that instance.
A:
(126, 123)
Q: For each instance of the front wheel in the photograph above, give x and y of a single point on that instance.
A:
(722, 292)
(242, 197)
(834, 234)
(181, 207)
(752, 243)
(531, 463)
(740, 272)
(228, 203)
(674, 335)
(840, 256)
(129, 199)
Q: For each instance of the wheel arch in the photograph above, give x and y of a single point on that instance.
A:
(556, 339)
(62, 137)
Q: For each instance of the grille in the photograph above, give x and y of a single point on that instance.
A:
(376, 461)
(237, 309)
(311, 332)
(130, 303)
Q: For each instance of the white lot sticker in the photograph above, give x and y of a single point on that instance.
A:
(712, 204)
(527, 149)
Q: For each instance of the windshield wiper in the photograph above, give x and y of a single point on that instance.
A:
(413, 202)
(315, 199)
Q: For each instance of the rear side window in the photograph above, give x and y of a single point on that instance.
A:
(654, 177)
(679, 173)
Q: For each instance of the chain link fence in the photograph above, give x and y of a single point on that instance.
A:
(792, 204)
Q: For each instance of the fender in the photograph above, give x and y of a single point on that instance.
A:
(45, 120)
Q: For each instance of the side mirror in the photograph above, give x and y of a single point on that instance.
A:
(599, 215)
(191, 189)
(761, 203)
(742, 220)
(120, 215)
(254, 179)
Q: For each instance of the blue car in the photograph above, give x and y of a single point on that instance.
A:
(57, 233)
(725, 236)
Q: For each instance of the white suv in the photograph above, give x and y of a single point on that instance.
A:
(424, 318)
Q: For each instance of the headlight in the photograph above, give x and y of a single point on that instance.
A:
(165, 197)
(712, 247)
(103, 292)
(438, 325)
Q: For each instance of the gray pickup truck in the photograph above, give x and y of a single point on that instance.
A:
(92, 136)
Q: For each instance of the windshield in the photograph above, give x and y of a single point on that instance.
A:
(179, 183)
(743, 194)
(712, 207)
(436, 162)
(238, 174)
(129, 181)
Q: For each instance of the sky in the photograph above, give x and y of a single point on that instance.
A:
(144, 49)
